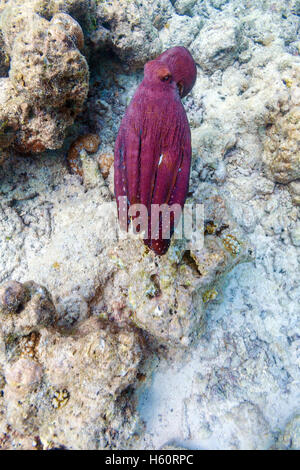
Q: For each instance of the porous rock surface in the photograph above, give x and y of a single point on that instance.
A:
(282, 142)
(47, 81)
(67, 389)
(238, 388)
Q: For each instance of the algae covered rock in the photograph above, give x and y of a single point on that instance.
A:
(282, 142)
(295, 234)
(289, 439)
(166, 296)
(224, 246)
(48, 78)
(161, 294)
(184, 7)
(68, 388)
(180, 30)
(294, 188)
(69, 374)
(23, 375)
(134, 27)
(218, 45)
(24, 308)
(4, 58)
(12, 295)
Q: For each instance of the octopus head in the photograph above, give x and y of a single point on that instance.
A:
(182, 66)
(157, 73)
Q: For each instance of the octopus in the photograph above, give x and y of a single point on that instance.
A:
(153, 150)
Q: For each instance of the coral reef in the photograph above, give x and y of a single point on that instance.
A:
(164, 297)
(134, 27)
(281, 146)
(48, 78)
(152, 157)
(4, 58)
(294, 188)
(218, 45)
(90, 143)
(238, 387)
(38, 388)
(105, 161)
(289, 439)
(23, 308)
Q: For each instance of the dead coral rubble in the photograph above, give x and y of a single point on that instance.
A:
(282, 143)
(165, 296)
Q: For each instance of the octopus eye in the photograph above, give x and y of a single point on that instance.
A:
(180, 88)
(165, 78)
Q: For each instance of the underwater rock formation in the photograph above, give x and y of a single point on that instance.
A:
(167, 297)
(134, 27)
(282, 143)
(67, 388)
(89, 143)
(218, 45)
(239, 387)
(23, 308)
(289, 439)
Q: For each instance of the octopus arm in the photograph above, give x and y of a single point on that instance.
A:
(127, 157)
(171, 181)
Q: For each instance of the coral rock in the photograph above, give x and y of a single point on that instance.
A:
(31, 306)
(165, 295)
(282, 142)
(83, 409)
(23, 374)
(218, 45)
(105, 161)
(294, 188)
(289, 439)
(88, 142)
(12, 295)
(48, 78)
(133, 31)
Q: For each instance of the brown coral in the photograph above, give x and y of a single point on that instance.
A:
(48, 79)
(13, 295)
(73, 29)
(42, 397)
(89, 143)
(29, 305)
(105, 161)
(23, 374)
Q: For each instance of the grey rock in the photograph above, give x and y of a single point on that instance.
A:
(218, 45)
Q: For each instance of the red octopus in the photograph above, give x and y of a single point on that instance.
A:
(153, 149)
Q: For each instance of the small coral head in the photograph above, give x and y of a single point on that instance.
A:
(157, 73)
(182, 67)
